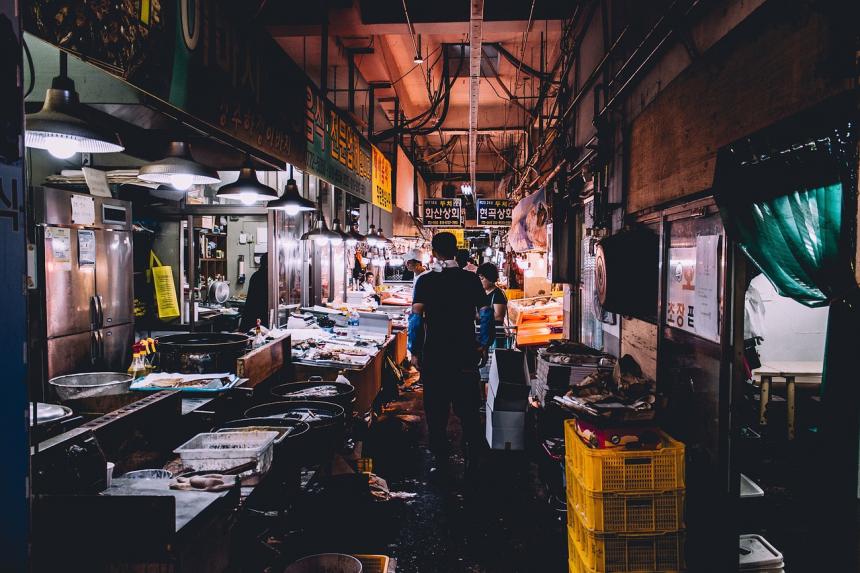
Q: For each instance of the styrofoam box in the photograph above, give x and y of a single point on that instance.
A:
(509, 367)
(505, 429)
(516, 403)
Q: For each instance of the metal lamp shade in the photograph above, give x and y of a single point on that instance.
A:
(58, 124)
(373, 237)
(382, 239)
(247, 188)
(291, 201)
(345, 237)
(321, 233)
(178, 165)
(359, 238)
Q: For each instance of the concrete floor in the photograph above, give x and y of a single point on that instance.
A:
(500, 524)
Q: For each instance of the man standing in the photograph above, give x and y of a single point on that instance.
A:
(443, 312)
(415, 266)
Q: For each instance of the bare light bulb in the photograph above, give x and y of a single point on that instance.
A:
(181, 181)
(321, 240)
(248, 198)
(291, 210)
(488, 252)
(61, 147)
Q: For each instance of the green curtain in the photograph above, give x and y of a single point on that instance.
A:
(786, 213)
(794, 241)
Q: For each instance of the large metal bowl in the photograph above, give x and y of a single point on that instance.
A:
(90, 385)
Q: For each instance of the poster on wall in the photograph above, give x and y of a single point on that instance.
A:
(438, 212)
(693, 288)
(494, 213)
(528, 223)
(381, 175)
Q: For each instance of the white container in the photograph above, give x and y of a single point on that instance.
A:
(224, 450)
(758, 555)
(505, 430)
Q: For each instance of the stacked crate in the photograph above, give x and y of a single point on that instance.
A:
(625, 508)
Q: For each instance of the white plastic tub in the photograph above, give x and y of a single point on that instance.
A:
(224, 450)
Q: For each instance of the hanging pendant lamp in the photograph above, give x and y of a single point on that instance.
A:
(321, 234)
(344, 236)
(178, 169)
(247, 188)
(59, 126)
(355, 235)
(373, 237)
(383, 240)
(291, 202)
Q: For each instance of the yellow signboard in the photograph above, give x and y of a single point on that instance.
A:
(381, 180)
(461, 237)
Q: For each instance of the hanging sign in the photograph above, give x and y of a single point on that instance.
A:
(693, 288)
(494, 213)
(336, 151)
(442, 213)
(460, 235)
(381, 171)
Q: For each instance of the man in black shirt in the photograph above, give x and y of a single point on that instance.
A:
(444, 308)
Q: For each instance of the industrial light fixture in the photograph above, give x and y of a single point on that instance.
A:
(418, 59)
(178, 169)
(59, 128)
(291, 202)
(344, 236)
(466, 189)
(383, 240)
(321, 234)
(373, 237)
(247, 188)
(355, 235)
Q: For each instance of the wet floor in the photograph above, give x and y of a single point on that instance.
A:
(498, 522)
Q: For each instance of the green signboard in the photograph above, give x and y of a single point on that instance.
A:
(336, 151)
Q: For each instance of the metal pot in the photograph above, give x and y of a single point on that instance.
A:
(315, 389)
(201, 352)
(326, 420)
(326, 563)
(94, 392)
(219, 292)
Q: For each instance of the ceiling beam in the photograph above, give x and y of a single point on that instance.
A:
(460, 176)
(476, 37)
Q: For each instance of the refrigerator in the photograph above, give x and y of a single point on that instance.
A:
(83, 291)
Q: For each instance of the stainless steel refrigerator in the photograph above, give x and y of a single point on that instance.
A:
(84, 286)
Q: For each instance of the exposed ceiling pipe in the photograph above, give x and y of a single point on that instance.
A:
(476, 24)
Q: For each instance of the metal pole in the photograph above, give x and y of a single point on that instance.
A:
(371, 105)
(324, 51)
(350, 60)
(190, 271)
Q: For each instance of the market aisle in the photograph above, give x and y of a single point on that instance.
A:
(503, 524)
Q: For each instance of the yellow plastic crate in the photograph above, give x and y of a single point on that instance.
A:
(650, 512)
(622, 470)
(626, 553)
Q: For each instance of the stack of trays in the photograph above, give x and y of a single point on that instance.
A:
(507, 400)
(625, 508)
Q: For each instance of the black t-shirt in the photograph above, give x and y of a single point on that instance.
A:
(451, 298)
(496, 296)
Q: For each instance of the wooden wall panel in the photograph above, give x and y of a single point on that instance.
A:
(776, 63)
(639, 340)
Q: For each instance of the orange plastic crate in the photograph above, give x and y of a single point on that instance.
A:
(650, 512)
(622, 470)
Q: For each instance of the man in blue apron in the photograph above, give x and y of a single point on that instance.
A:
(443, 346)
